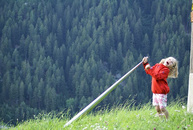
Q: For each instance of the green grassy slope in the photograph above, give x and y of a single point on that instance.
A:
(119, 118)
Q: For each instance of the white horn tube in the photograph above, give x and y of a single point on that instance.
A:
(101, 97)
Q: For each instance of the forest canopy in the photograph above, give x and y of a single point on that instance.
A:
(59, 55)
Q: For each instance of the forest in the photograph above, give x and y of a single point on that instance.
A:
(59, 55)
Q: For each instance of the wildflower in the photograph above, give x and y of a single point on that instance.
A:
(159, 115)
(151, 113)
(183, 107)
(85, 128)
(185, 127)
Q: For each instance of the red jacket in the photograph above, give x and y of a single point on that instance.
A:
(159, 74)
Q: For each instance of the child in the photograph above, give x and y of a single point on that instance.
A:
(160, 72)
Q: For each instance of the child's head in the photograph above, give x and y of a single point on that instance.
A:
(172, 64)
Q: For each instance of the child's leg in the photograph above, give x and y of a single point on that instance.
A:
(163, 104)
(158, 110)
(160, 103)
(165, 112)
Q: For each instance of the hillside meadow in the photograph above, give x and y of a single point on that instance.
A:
(123, 117)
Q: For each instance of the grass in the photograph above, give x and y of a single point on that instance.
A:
(119, 118)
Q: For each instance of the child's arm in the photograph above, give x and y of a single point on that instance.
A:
(162, 74)
(146, 65)
(158, 74)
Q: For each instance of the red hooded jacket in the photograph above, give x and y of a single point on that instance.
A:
(159, 74)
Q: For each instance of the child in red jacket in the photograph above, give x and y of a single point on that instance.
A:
(160, 72)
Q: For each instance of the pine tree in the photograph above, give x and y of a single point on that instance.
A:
(119, 56)
(50, 99)
(146, 45)
(21, 90)
(60, 36)
(6, 86)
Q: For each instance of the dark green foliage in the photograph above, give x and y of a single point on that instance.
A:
(59, 55)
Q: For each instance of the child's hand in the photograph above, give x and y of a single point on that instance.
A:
(145, 60)
(147, 67)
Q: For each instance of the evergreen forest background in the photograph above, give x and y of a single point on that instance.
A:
(59, 55)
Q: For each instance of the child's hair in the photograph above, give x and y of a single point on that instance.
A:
(174, 69)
